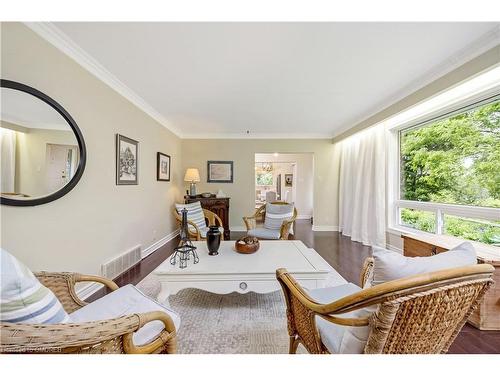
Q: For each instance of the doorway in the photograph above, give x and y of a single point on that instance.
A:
(61, 163)
(286, 177)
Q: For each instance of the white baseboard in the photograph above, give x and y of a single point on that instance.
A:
(325, 228)
(87, 290)
(90, 288)
(395, 248)
(151, 249)
(238, 229)
(304, 217)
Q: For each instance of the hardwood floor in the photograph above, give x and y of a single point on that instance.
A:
(347, 258)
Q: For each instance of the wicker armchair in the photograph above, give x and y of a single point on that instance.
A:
(420, 315)
(194, 232)
(260, 213)
(105, 336)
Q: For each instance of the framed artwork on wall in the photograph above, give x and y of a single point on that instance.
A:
(162, 167)
(288, 179)
(127, 153)
(220, 171)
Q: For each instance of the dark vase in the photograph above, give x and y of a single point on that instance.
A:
(213, 239)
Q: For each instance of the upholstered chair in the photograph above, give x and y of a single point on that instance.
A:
(198, 218)
(279, 219)
(420, 314)
(42, 313)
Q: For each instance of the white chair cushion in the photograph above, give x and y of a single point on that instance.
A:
(23, 299)
(203, 232)
(125, 301)
(337, 338)
(195, 214)
(389, 265)
(265, 234)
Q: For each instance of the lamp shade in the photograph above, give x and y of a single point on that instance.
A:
(192, 175)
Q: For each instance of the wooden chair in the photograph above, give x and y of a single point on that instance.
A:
(104, 336)
(421, 314)
(260, 213)
(195, 233)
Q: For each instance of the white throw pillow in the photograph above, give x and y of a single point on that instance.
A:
(389, 265)
(194, 213)
(23, 299)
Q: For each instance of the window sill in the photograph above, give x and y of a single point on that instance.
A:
(485, 252)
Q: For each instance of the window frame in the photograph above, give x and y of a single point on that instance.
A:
(394, 172)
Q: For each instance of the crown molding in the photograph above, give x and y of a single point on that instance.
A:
(256, 136)
(65, 44)
(487, 41)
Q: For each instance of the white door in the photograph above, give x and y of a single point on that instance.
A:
(60, 166)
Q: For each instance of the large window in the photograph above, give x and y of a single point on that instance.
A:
(450, 175)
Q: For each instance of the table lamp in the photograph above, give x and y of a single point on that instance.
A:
(192, 176)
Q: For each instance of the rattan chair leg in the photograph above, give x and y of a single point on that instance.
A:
(294, 343)
(171, 346)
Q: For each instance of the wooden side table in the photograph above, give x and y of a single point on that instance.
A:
(487, 315)
(219, 206)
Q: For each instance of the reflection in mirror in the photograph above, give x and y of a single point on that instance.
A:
(39, 150)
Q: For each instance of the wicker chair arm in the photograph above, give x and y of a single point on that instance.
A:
(366, 270)
(166, 338)
(285, 229)
(250, 222)
(213, 218)
(64, 337)
(97, 279)
(73, 337)
(385, 291)
(62, 284)
(196, 232)
(314, 307)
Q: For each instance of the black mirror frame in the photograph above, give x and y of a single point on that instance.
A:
(79, 137)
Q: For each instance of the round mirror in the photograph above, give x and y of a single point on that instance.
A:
(42, 149)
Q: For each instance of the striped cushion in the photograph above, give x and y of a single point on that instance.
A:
(23, 299)
(195, 214)
(276, 214)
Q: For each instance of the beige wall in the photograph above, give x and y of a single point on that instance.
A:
(196, 153)
(31, 158)
(97, 220)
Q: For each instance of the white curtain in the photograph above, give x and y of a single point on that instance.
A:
(7, 160)
(362, 189)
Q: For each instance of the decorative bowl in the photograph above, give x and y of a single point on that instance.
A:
(206, 195)
(247, 245)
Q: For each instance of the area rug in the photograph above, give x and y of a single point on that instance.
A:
(227, 324)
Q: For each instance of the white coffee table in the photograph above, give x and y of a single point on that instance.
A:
(233, 272)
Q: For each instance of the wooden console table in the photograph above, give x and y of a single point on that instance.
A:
(487, 315)
(219, 206)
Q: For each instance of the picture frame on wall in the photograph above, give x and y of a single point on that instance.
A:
(220, 171)
(288, 179)
(127, 161)
(162, 167)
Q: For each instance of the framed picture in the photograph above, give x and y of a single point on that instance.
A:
(127, 152)
(162, 167)
(288, 179)
(220, 171)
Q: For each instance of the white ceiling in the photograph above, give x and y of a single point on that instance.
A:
(274, 79)
(26, 110)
